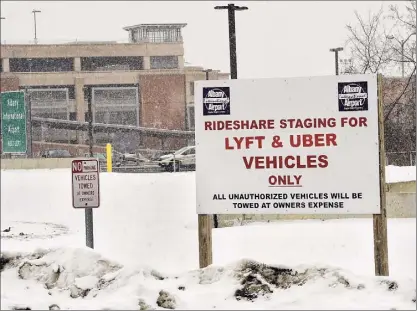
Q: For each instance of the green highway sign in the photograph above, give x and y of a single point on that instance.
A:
(13, 122)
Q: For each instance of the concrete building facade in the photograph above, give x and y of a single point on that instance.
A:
(140, 83)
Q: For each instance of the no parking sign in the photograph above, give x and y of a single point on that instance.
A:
(85, 184)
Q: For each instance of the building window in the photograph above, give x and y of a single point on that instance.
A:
(73, 116)
(116, 105)
(124, 63)
(86, 117)
(128, 117)
(164, 62)
(190, 116)
(192, 88)
(41, 64)
(50, 103)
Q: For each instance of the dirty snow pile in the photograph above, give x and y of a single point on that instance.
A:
(68, 278)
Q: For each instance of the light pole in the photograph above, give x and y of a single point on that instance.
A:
(34, 20)
(402, 44)
(231, 8)
(336, 58)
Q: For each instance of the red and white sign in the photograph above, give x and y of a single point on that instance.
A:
(85, 184)
(287, 146)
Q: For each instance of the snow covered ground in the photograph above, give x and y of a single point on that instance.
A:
(394, 174)
(146, 252)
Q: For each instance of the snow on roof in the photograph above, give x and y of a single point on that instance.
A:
(92, 42)
(174, 25)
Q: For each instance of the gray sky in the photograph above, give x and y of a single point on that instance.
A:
(274, 38)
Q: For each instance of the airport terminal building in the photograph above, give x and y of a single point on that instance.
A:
(141, 83)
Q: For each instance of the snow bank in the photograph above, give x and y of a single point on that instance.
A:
(150, 219)
(396, 174)
(148, 223)
(140, 215)
(82, 279)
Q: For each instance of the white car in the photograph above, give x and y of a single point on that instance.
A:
(183, 158)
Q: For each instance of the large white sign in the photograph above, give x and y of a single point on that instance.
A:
(85, 184)
(287, 146)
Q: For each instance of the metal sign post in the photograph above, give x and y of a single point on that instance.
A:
(86, 192)
(28, 101)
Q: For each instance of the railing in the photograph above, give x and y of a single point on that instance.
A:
(404, 158)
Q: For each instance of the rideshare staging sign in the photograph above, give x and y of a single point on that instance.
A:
(85, 184)
(288, 146)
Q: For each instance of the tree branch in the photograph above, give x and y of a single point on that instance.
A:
(400, 96)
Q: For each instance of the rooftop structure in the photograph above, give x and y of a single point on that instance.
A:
(155, 33)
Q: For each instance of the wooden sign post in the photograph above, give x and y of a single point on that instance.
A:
(380, 220)
(205, 248)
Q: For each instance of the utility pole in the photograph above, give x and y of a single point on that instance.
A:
(231, 8)
(34, 20)
(336, 58)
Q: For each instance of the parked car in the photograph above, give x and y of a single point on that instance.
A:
(133, 158)
(154, 157)
(184, 157)
(116, 158)
(56, 153)
(101, 157)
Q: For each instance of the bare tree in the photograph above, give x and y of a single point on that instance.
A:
(407, 18)
(370, 47)
(382, 41)
(400, 118)
(404, 36)
(379, 43)
(404, 89)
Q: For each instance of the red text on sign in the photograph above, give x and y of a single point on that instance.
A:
(354, 122)
(77, 166)
(266, 162)
(307, 123)
(243, 142)
(230, 125)
(313, 140)
(284, 180)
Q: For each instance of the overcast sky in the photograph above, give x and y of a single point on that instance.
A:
(274, 38)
